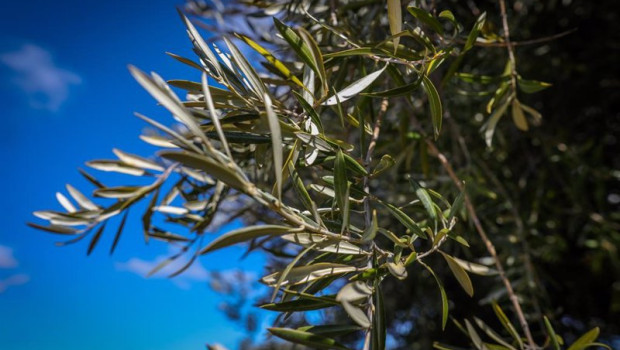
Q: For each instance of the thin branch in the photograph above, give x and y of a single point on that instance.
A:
(525, 42)
(509, 46)
(487, 242)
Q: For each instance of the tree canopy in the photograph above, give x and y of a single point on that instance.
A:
(404, 166)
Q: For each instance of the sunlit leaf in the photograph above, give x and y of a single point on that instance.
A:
(243, 235)
(306, 338)
(353, 89)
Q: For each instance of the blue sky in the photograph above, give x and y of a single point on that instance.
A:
(66, 98)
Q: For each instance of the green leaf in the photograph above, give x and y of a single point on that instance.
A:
(552, 336)
(300, 305)
(444, 297)
(354, 89)
(352, 293)
(371, 231)
(245, 234)
(435, 104)
(323, 244)
(517, 115)
(378, 320)
(119, 192)
(491, 124)
(306, 338)
(119, 231)
(115, 166)
(298, 44)
(395, 19)
(585, 340)
(272, 59)
(397, 270)
(491, 333)
(475, 268)
(317, 56)
(460, 274)
(285, 272)
(246, 68)
(458, 203)
(331, 329)
(214, 116)
(81, 199)
(276, 143)
(54, 229)
(309, 273)
(473, 34)
(404, 219)
(95, 239)
(137, 161)
(200, 44)
(507, 324)
(474, 337)
(426, 18)
(395, 92)
(171, 102)
(340, 180)
(424, 197)
(309, 111)
(209, 166)
(531, 86)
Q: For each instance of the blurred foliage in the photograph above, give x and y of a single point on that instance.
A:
(380, 154)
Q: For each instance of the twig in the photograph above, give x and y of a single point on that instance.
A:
(367, 161)
(509, 47)
(489, 245)
(526, 42)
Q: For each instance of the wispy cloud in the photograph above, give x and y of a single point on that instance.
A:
(7, 260)
(13, 280)
(195, 273)
(37, 75)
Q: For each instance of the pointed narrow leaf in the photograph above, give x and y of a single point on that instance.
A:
(517, 116)
(245, 234)
(214, 116)
(353, 89)
(119, 231)
(306, 338)
(137, 161)
(209, 166)
(276, 143)
(93, 242)
(395, 19)
(405, 220)
(507, 324)
(435, 104)
(551, 333)
(424, 197)
(426, 18)
(65, 203)
(444, 297)
(81, 199)
(585, 340)
(309, 273)
(460, 274)
(272, 59)
(473, 34)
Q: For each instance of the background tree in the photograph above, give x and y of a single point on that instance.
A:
(346, 154)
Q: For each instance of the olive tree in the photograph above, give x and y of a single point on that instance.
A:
(342, 153)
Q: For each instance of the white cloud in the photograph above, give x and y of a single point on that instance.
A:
(36, 74)
(7, 260)
(195, 273)
(13, 280)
